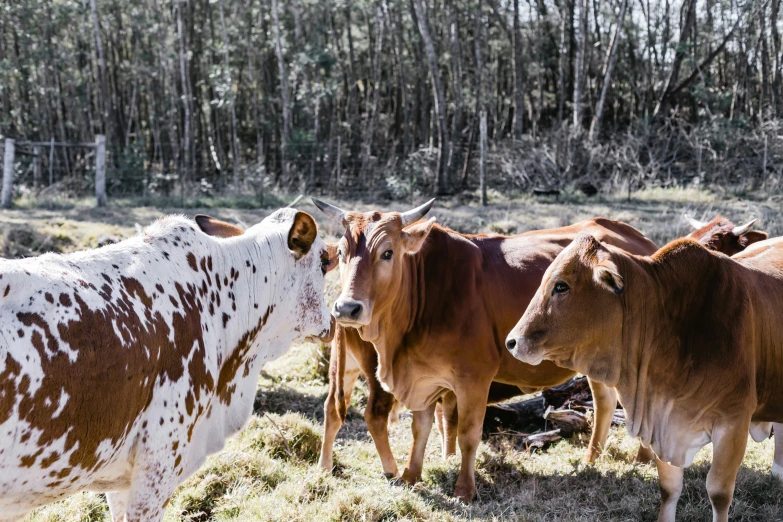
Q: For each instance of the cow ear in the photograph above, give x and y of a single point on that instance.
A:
(302, 234)
(416, 234)
(331, 251)
(606, 275)
(215, 227)
(752, 236)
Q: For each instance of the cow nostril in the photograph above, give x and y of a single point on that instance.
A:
(357, 309)
(511, 344)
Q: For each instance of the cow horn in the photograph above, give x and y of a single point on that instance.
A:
(742, 229)
(416, 214)
(696, 224)
(333, 212)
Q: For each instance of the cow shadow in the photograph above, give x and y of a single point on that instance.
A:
(280, 398)
(527, 492)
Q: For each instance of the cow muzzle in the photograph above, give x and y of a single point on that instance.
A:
(522, 348)
(350, 312)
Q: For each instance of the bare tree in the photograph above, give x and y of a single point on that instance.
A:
(611, 53)
(777, 83)
(688, 18)
(440, 97)
(519, 76)
(231, 97)
(105, 96)
(285, 132)
(187, 162)
(372, 110)
(455, 150)
(580, 13)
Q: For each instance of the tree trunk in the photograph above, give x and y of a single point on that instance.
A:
(777, 82)
(187, 145)
(372, 110)
(402, 83)
(440, 98)
(519, 76)
(611, 53)
(483, 158)
(689, 8)
(105, 97)
(227, 77)
(455, 150)
(580, 8)
(255, 86)
(285, 132)
(561, 63)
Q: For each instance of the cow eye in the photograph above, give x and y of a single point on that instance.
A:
(339, 253)
(387, 255)
(560, 288)
(324, 265)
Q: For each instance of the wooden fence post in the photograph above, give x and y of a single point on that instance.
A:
(100, 170)
(36, 167)
(8, 173)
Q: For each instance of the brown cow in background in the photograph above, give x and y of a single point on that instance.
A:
(722, 235)
(436, 306)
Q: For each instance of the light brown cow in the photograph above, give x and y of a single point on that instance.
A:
(690, 339)
(436, 305)
(351, 357)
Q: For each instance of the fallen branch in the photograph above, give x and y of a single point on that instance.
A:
(568, 421)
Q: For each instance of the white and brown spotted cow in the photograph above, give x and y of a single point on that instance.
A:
(122, 368)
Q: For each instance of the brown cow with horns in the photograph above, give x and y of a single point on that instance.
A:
(436, 305)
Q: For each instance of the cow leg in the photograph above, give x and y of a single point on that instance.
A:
(332, 420)
(118, 502)
(421, 428)
(151, 489)
(471, 421)
(380, 404)
(777, 464)
(450, 423)
(605, 400)
(670, 478)
(728, 449)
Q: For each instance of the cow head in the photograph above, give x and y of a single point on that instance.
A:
(576, 309)
(721, 235)
(300, 260)
(371, 257)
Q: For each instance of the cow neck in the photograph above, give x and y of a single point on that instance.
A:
(255, 291)
(664, 296)
(401, 317)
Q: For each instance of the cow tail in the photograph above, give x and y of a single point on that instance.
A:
(337, 372)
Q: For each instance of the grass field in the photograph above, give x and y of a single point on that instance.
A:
(269, 471)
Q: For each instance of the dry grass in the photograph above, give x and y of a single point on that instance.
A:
(268, 472)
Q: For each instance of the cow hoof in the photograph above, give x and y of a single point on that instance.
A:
(388, 475)
(406, 479)
(464, 495)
